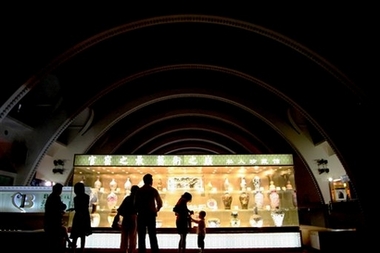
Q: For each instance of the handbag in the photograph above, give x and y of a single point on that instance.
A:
(116, 222)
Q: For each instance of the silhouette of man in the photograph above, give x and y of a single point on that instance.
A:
(148, 203)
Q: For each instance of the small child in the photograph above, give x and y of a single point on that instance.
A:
(201, 230)
(66, 237)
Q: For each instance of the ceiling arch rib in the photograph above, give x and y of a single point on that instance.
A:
(240, 142)
(187, 144)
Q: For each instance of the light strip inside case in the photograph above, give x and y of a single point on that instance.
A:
(212, 241)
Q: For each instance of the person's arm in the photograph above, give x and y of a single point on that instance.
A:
(158, 201)
(194, 220)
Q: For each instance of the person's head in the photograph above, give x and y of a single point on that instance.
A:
(202, 214)
(79, 188)
(148, 179)
(187, 196)
(57, 189)
(134, 189)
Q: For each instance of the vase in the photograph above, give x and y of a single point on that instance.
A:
(226, 184)
(289, 186)
(235, 221)
(111, 200)
(259, 199)
(272, 187)
(94, 196)
(256, 183)
(244, 200)
(127, 186)
(113, 185)
(227, 200)
(97, 183)
(274, 200)
(111, 216)
(243, 184)
(95, 220)
(256, 220)
(278, 218)
(159, 184)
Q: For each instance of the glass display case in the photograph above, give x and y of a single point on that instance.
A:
(234, 190)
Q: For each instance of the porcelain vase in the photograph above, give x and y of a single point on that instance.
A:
(235, 221)
(97, 183)
(127, 186)
(227, 200)
(274, 200)
(113, 185)
(259, 199)
(244, 200)
(112, 200)
(278, 218)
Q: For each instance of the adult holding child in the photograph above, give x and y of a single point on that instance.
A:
(183, 220)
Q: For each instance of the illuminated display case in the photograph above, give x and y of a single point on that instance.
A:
(340, 189)
(234, 190)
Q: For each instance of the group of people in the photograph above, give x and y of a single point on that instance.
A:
(138, 210)
(53, 219)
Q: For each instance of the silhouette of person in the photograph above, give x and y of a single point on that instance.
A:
(201, 230)
(81, 225)
(53, 220)
(148, 203)
(129, 223)
(183, 220)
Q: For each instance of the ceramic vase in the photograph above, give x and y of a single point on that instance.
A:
(94, 196)
(113, 185)
(235, 221)
(226, 184)
(111, 216)
(243, 184)
(278, 218)
(97, 183)
(274, 200)
(127, 186)
(244, 200)
(159, 184)
(227, 200)
(95, 217)
(256, 183)
(256, 220)
(259, 200)
(111, 200)
(272, 187)
(95, 220)
(289, 186)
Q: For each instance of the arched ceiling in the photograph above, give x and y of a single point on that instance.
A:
(184, 82)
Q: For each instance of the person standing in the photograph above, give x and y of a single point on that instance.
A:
(129, 223)
(81, 225)
(53, 220)
(148, 203)
(201, 230)
(183, 220)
